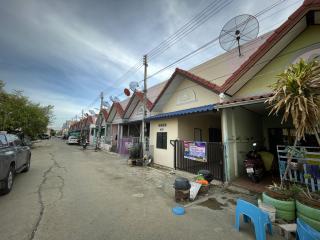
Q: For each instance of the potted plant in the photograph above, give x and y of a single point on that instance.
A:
(135, 155)
(282, 198)
(297, 94)
(308, 206)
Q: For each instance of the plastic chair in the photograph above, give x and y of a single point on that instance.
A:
(305, 232)
(259, 218)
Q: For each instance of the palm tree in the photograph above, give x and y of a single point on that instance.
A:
(296, 94)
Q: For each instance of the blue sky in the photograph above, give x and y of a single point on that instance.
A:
(64, 53)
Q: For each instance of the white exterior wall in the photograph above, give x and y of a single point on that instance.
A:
(164, 157)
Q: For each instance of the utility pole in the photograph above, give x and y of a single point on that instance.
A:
(144, 125)
(81, 124)
(98, 136)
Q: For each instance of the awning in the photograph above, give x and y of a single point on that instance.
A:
(206, 108)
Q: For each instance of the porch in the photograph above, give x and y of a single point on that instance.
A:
(130, 136)
(248, 122)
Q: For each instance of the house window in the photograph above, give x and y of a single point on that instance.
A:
(162, 140)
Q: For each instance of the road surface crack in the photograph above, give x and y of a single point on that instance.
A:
(40, 195)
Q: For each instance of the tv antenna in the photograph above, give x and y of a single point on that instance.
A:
(134, 86)
(237, 31)
(114, 99)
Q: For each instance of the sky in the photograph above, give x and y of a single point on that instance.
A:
(64, 53)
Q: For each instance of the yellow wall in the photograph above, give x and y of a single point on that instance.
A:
(203, 97)
(163, 157)
(187, 124)
(261, 82)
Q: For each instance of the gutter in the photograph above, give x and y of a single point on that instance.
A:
(240, 103)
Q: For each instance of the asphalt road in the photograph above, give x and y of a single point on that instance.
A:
(74, 194)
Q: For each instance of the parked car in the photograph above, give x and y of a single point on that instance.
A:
(14, 158)
(73, 140)
(44, 136)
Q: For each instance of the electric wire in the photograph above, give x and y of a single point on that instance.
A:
(156, 51)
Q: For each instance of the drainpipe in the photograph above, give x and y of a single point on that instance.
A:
(225, 145)
(235, 157)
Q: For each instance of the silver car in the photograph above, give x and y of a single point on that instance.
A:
(14, 158)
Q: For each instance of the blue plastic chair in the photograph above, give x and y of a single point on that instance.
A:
(305, 232)
(259, 218)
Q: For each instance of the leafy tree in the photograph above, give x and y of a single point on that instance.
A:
(52, 132)
(18, 113)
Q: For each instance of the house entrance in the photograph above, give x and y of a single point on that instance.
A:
(192, 156)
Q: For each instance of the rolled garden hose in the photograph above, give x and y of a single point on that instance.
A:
(284, 209)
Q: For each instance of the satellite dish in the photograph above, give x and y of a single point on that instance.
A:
(239, 30)
(134, 86)
(127, 92)
(114, 99)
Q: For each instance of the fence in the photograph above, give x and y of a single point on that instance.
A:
(305, 166)
(213, 160)
(126, 143)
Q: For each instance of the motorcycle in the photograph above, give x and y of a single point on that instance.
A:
(254, 165)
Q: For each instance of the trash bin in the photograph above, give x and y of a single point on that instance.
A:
(182, 189)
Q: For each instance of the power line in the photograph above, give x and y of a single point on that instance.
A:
(182, 31)
(209, 43)
(177, 37)
(187, 28)
(136, 67)
(260, 63)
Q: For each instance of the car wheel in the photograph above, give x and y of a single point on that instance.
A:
(9, 180)
(27, 167)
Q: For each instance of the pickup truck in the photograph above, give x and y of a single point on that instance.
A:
(15, 157)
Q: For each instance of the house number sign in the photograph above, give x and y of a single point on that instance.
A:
(162, 126)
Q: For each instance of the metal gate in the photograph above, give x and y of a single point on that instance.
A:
(214, 163)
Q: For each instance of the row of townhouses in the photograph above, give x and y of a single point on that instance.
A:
(220, 103)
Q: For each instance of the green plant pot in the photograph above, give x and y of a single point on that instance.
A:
(309, 214)
(285, 209)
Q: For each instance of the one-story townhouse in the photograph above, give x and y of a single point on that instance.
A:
(245, 115)
(105, 129)
(115, 119)
(185, 111)
(125, 118)
(224, 98)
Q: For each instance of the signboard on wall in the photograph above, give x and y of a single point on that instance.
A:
(196, 151)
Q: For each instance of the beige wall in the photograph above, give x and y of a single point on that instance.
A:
(202, 97)
(164, 157)
(187, 124)
(137, 114)
(117, 118)
(261, 82)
